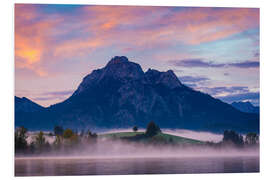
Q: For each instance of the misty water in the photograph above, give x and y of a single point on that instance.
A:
(107, 157)
(116, 166)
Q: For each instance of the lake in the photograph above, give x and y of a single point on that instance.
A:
(49, 166)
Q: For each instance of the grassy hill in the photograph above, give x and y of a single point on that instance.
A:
(160, 138)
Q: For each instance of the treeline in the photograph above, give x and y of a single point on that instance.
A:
(64, 140)
(232, 138)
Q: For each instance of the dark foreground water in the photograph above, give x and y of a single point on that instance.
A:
(116, 166)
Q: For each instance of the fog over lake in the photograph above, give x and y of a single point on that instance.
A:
(121, 157)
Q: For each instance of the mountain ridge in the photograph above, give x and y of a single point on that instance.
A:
(121, 95)
(246, 107)
(24, 104)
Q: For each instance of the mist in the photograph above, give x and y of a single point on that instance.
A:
(113, 150)
(199, 135)
(108, 148)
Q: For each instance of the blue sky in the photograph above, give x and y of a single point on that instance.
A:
(214, 50)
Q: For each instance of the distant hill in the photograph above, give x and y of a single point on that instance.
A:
(160, 138)
(26, 105)
(31, 115)
(121, 95)
(246, 107)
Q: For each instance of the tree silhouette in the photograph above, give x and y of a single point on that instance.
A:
(68, 133)
(135, 128)
(152, 129)
(233, 137)
(252, 138)
(58, 130)
(40, 139)
(20, 138)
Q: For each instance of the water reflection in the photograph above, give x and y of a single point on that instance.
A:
(46, 167)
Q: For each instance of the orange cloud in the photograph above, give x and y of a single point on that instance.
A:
(31, 38)
(142, 28)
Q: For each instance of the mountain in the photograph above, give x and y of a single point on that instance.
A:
(246, 107)
(26, 105)
(31, 115)
(121, 95)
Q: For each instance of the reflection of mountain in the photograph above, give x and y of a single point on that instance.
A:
(246, 107)
(122, 95)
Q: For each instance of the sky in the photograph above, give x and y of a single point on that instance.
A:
(213, 50)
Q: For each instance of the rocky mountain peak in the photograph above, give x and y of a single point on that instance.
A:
(167, 78)
(118, 60)
(120, 68)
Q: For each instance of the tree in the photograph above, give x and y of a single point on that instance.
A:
(40, 143)
(135, 128)
(58, 130)
(91, 137)
(40, 139)
(20, 138)
(68, 133)
(152, 129)
(233, 137)
(57, 142)
(70, 138)
(252, 138)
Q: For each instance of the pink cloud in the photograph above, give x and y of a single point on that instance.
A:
(31, 38)
(123, 27)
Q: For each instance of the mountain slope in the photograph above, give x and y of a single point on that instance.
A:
(246, 107)
(122, 95)
(26, 105)
(160, 138)
(31, 115)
